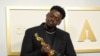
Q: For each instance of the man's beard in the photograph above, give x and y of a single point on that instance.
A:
(50, 27)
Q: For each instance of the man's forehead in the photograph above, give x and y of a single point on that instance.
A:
(56, 12)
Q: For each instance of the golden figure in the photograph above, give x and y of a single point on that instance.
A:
(38, 38)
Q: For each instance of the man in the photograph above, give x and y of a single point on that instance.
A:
(55, 40)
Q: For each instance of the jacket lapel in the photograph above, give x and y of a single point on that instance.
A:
(42, 34)
(59, 43)
(56, 41)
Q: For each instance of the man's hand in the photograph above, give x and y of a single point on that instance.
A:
(45, 48)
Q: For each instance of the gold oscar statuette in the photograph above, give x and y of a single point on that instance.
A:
(40, 39)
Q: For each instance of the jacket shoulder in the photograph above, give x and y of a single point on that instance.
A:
(33, 28)
(63, 32)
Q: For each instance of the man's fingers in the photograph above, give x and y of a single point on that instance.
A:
(46, 48)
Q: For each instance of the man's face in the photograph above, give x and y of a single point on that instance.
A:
(53, 18)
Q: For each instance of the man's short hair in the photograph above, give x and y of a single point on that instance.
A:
(60, 9)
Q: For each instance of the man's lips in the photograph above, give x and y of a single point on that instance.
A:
(50, 23)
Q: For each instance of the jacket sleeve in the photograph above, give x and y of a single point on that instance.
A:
(28, 48)
(69, 50)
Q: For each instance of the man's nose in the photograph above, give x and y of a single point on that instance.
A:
(52, 19)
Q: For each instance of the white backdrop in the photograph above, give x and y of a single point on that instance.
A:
(76, 19)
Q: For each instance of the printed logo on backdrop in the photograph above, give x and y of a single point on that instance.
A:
(87, 33)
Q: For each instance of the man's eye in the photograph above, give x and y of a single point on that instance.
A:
(51, 16)
(57, 20)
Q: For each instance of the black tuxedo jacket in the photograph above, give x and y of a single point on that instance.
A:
(31, 47)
